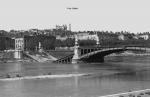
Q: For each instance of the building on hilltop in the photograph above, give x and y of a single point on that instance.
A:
(63, 27)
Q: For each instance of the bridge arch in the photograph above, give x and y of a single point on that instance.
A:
(98, 55)
(95, 54)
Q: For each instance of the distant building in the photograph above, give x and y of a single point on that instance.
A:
(33, 30)
(58, 37)
(63, 27)
(86, 36)
(142, 36)
(121, 37)
(82, 36)
(136, 37)
(125, 36)
(145, 37)
(19, 43)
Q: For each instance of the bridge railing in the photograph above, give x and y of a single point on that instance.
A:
(97, 51)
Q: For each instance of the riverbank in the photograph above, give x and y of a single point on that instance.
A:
(139, 93)
(129, 54)
(15, 60)
(50, 75)
(21, 60)
(40, 57)
(43, 77)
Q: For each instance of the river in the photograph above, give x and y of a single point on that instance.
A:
(115, 75)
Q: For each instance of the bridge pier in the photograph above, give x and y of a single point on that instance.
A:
(76, 51)
(76, 55)
(18, 54)
(94, 55)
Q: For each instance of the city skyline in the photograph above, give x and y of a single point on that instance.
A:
(114, 15)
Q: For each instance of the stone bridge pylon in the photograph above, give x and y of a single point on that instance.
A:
(77, 52)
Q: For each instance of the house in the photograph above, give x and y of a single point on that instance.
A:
(125, 36)
(58, 37)
(121, 37)
(19, 43)
(145, 37)
(136, 37)
(82, 36)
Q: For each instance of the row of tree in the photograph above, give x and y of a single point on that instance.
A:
(107, 38)
(55, 32)
(108, 43)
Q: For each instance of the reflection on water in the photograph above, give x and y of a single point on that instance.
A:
(129, 73)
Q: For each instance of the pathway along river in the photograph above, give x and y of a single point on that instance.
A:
(117, 74)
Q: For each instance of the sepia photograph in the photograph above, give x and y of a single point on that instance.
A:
(74, 48)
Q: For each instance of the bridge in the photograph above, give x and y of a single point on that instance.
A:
(81, 54)
(96, 53)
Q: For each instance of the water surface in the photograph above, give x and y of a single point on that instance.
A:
(117, 74)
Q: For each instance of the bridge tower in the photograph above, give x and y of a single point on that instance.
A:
(97, 39)
(76, 51)
(40, 47)
(19, 47)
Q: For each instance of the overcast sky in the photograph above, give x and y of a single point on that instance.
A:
(115, 15)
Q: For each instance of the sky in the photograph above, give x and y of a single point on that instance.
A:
(111, 15)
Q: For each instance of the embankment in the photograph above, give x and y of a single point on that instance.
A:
(43, 77)
(138, 93)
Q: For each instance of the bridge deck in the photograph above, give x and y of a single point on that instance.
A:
(86, 52)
